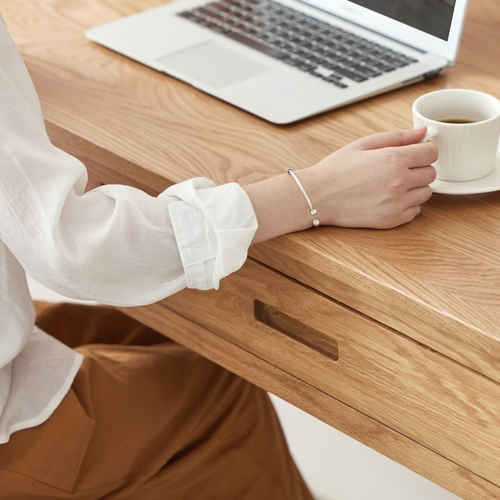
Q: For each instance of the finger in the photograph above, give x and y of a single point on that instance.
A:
(421, 176)
(391, 139)
(415, 155)
(418, 196)
(409, 214)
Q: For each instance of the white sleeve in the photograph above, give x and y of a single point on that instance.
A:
(114, 244)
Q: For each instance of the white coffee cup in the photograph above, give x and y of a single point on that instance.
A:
(467, 151)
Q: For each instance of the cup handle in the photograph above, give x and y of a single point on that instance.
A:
(432, 133)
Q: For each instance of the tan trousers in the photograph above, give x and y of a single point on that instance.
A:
(147, 419)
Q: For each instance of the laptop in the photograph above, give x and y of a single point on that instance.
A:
(285, 60)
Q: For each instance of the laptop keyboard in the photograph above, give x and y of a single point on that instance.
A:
(318, 48)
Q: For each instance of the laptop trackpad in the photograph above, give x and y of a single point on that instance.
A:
(212, 64)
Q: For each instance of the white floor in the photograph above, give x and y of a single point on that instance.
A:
(335, 466)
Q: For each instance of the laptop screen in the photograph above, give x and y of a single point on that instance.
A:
(432, 16)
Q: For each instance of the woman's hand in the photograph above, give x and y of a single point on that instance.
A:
(379, 182)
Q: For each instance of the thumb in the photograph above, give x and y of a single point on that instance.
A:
(391, 139)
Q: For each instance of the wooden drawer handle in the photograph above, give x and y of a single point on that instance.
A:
(295, 329)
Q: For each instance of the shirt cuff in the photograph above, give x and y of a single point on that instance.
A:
(214, 227)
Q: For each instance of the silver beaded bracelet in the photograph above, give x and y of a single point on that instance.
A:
(312, 210)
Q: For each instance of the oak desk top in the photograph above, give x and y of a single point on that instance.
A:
(436, 281)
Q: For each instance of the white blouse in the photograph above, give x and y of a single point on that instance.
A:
(114, 244)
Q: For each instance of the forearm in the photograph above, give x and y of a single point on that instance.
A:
(279, 206)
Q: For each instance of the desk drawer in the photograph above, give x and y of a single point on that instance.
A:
(394, 380)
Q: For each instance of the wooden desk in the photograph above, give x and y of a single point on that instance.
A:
(393, 337)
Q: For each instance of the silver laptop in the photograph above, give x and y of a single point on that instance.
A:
(284, 60)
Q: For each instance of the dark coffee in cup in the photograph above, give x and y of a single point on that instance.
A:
(458, 121)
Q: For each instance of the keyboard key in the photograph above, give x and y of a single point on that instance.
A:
(291, 60)
(384, 68)
(351, 74)
(314, 59)
(326, 73)
(255, 44)
(337, 83)
(365, 70)
(340, 59)
(220, 7)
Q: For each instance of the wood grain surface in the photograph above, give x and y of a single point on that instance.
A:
(436, 280)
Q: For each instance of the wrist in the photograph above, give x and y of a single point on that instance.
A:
(279, 206)
(312, 210)
(313, 180)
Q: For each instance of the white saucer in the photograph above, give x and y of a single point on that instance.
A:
(487, 184)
